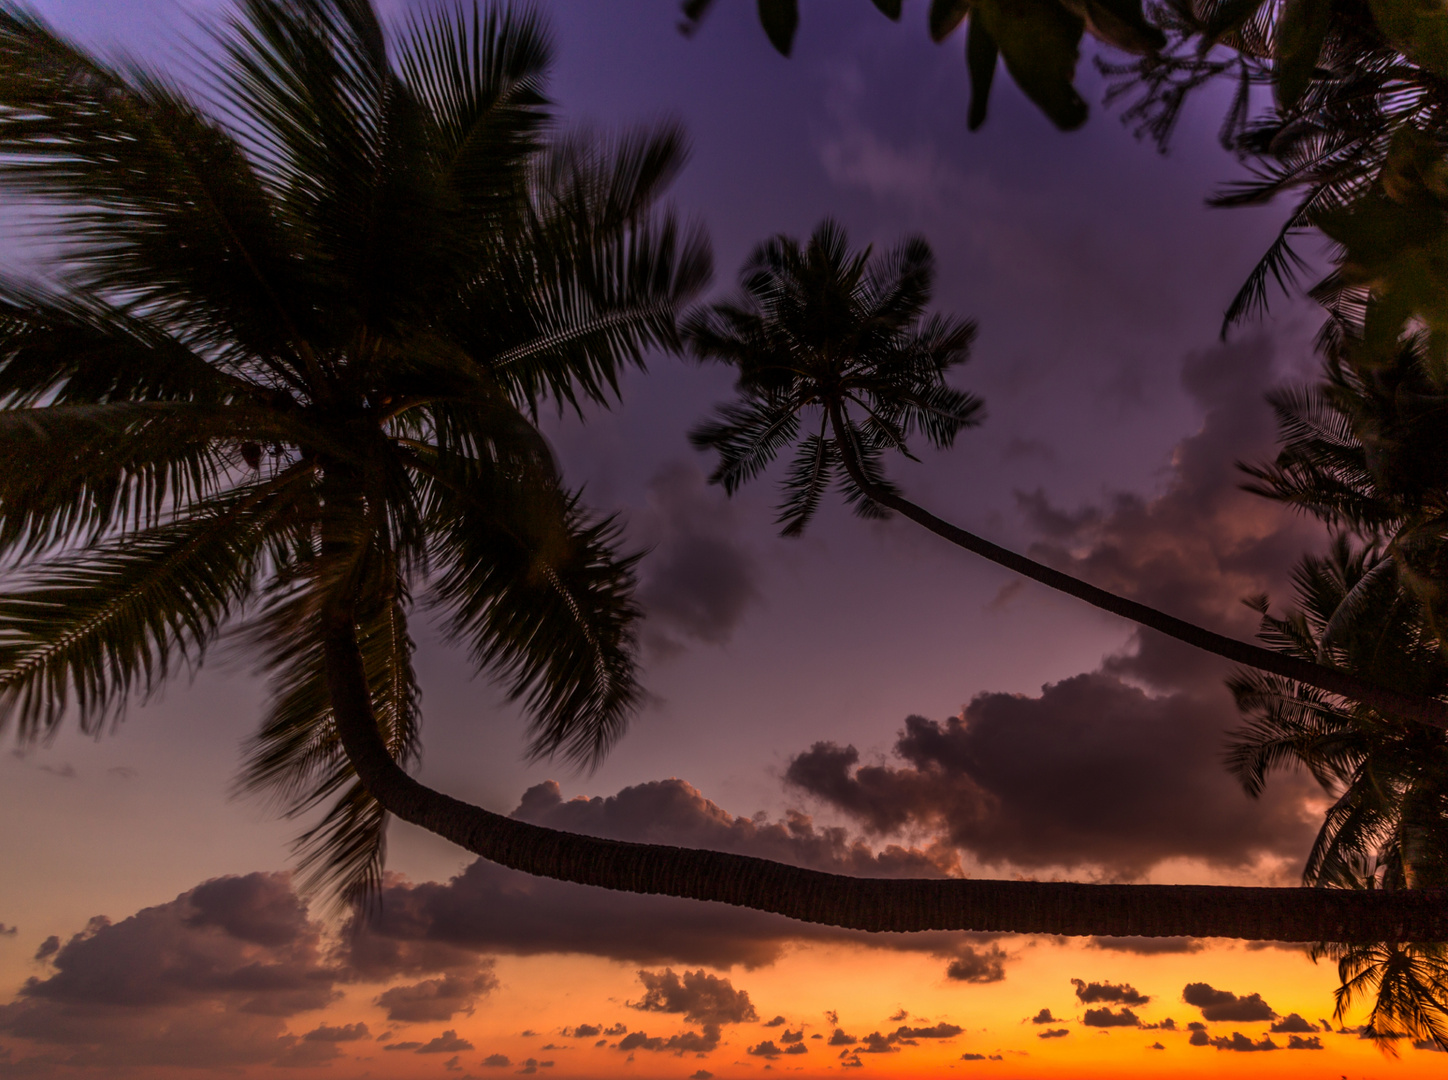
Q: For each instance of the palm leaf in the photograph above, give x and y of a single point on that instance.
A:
(111, 622)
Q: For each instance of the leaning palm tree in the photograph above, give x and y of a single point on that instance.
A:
(290, 384)
(837, 359)
(288, 391)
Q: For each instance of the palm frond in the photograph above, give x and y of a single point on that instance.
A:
(296, 759)
(111, 622)
(154, 200)
(543, 598)
(747, 437)
(590, 286)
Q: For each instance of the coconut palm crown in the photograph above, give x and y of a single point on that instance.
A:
(304, 331)
(837, 342)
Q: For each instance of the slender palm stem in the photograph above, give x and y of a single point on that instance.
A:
(1334, 681)
(874, 904)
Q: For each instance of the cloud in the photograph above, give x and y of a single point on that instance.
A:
(1147, 946)
(934, 1031)
(497, 1061)
(205, 980)
(768, 1049)
(1115, 770)
(1293, 1023)
(839, 1038)
(1223, 1005)
(1241, 1044)
(702, 1074)
(701, 997)
(875, 1043)
(977, 965)
(1297, 1042)
(582, 1031)
(1054, 1033)
(8, 931)
(435, 926)
(1104, 1017)
(344, 1033)
(778, 1021)
(446, 1043)
(698, 579)
(1122, 994)
(437, 999)
(1043, 1017)
(682, 1043)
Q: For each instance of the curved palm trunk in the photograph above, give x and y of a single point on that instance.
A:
(877, 904)
(1425, 710)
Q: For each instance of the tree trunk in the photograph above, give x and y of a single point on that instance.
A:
(877, 904)
(1424, 710)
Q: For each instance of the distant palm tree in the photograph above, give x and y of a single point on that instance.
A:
(289, 388)
(840, 337)
(1387, 827)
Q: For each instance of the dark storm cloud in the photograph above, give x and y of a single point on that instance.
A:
(1223, 1005)
(1105, 1017)
(1093, 771)
(1116, 994)
(701, 997)
(488, 909)
(207, 979)
(698, 579)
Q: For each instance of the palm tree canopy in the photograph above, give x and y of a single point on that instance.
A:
(835, 343)
(305, 329)
(1386, 827)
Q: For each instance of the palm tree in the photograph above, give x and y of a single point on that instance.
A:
(1387, 826)
(288, 391)
(842, 338)
(291, 382)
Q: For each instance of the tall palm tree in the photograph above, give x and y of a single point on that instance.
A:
(842, 338)
(1387, 826)
(288, 390)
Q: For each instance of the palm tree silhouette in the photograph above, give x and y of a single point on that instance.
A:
(843, 338)
(1387, 826)
(289, 390)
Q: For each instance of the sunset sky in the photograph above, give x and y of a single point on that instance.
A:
(864, 699)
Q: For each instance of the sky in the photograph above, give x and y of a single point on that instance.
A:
(863, 699)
